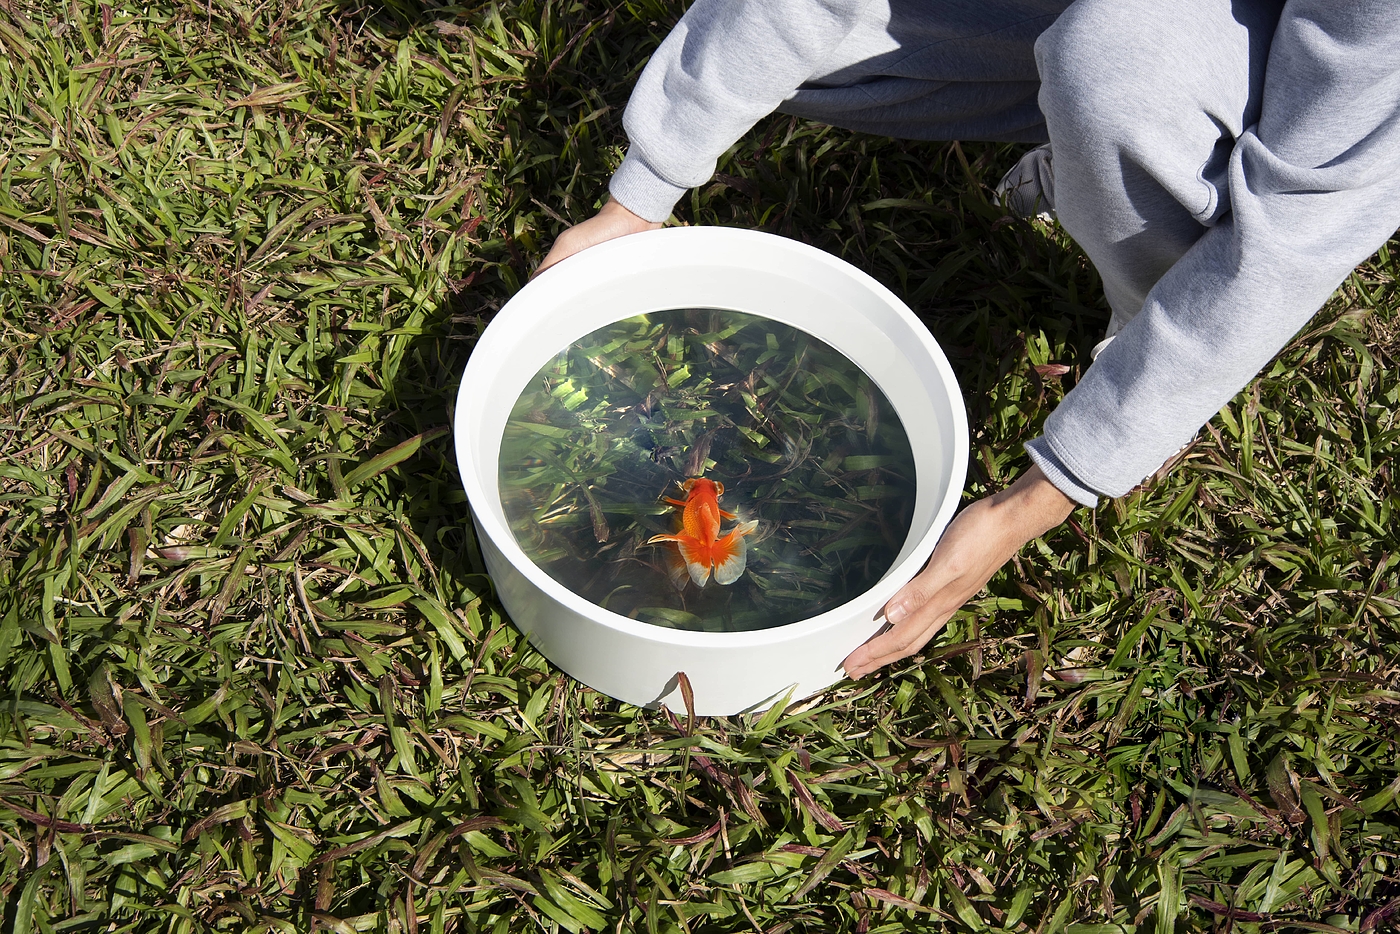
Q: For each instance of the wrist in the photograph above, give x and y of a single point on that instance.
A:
(646, 193)
(1033, 504)
(618, 213)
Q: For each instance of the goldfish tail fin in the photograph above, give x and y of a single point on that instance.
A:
(696, 557)
(731, 553)
(677, 572)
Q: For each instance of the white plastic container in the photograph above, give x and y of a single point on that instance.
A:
(705, 267)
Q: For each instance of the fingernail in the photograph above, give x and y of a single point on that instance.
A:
(896, 613)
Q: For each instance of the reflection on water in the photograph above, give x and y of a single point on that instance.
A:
(814, 466)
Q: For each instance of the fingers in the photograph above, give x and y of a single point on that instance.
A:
(981, 539)
(564, 247)
(611, 222)
(921, 607)
(568, 243)
(901, 640)
(919, 611)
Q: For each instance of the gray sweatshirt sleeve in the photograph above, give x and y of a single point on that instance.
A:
(726, 65)
(1314, 190)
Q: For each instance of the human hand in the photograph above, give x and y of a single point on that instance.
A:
(611, 222)
(982, 538)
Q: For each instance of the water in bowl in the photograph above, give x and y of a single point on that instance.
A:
(813, 461)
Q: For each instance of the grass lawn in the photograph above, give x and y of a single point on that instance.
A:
(252, 674)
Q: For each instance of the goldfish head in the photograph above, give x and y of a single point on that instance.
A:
(704, 485)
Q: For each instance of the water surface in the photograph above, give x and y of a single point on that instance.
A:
(804, 442)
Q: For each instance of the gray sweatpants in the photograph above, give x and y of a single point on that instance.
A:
(1141, 137)
(1224, 163)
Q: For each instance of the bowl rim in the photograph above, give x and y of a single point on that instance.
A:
(603, 256)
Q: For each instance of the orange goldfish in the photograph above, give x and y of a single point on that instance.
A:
(698, 540)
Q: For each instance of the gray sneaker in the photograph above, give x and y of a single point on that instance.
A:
(1028, 190)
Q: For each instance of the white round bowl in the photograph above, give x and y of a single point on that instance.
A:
(705, 267)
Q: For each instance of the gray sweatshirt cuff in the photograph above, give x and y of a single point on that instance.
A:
(636, 186)
(1057, 473)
